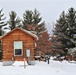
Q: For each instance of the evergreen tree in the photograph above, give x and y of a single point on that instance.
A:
(60, 30)
(41, 28)
(14, 21)
(36, 17)
(71, 23)
(32, 21)
(27, 17)
(65, 30)
(2, 21)
(59, 42)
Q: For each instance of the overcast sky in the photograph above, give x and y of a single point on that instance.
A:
(49, 9)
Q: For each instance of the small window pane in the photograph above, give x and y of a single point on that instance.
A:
(18, 52)
(18, 45)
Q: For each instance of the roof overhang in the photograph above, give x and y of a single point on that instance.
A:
(26, 31)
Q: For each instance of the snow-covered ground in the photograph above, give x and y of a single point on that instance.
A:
(40, 68)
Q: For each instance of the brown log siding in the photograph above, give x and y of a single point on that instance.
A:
(8, 45)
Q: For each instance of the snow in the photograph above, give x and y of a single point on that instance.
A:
(19, 63)
(6, 29)
(40, 68)
(30, 33)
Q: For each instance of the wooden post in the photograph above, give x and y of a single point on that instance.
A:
(24, 63)
(48, 59)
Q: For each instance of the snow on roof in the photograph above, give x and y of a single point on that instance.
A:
(30, 33)
(26, 31)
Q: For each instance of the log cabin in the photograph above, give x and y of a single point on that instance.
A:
(18, 44)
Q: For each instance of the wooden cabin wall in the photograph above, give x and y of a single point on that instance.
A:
(8, 45)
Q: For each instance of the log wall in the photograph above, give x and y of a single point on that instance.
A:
(8, 45)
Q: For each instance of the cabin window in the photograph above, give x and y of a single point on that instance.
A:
(18, 48)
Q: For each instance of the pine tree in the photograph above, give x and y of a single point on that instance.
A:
(2, 21)
(59, 31)
(40, 26)
(32, 21)
(14, 21)
(27, 18)
(57, 47)
(36, 17)
(71, 23)
(65, 30)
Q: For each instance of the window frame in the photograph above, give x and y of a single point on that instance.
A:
(21, 50)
